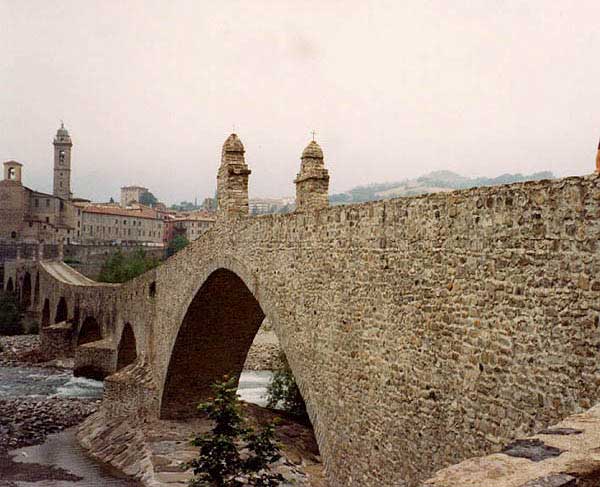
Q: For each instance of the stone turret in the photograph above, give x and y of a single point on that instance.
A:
(598, 159)
(232, 180)
(312, 182)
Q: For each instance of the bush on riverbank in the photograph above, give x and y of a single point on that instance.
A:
(220, 461)
(10, 314)
(283, 391)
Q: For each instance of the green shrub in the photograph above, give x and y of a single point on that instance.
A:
(220, 462)
(10, 314)
(120, 267)
(283, 392)
(178, 243)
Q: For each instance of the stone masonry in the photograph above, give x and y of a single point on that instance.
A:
(421, 331)
(232, 180)
(312, 182)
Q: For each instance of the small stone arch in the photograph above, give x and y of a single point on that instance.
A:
(36, 290)
(89, 332)
(62, 311)
(10, 287)
(26, 291)
(127, 349)
(46, 313)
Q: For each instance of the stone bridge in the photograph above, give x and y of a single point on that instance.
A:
(420, 331)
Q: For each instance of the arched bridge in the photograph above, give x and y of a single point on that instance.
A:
(420, 330)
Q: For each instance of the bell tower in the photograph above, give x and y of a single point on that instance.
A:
(62, 163)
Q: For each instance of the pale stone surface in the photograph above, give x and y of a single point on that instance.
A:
(579, 460)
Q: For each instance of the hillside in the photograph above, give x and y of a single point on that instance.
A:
(430, 183)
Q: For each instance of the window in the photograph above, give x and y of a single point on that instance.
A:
(30, 224)
(47, 203)
(12, 175)
(13, 234)
(36, 203)
(47, 220)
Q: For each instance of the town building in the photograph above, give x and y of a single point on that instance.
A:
(191, 225)
(29, 216)
(109, 223)
(132, 194)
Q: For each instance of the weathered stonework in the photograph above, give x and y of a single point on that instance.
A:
(574, 462)
(232, 180)
(312, 182)
(421, 331)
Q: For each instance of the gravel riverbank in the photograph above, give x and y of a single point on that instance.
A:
(26, 421)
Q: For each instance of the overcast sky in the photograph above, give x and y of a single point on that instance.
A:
(149, 90)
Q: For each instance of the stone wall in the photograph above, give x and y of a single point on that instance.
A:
(421, 331)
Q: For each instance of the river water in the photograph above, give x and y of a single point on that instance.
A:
(61, 449)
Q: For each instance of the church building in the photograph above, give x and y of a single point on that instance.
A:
(29, 216)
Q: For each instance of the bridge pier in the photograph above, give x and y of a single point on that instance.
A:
(57, 340)
(95, 360)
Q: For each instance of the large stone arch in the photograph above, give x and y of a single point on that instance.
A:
(62, 311)
(127, 348)
(26, 291)
(213, 340)
(255, 303)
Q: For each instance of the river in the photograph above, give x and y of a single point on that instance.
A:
(62, 450)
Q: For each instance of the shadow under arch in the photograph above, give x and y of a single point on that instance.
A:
(46, 313)
(10, 286)
(61, 311)
(213, 340)
(36, 290)
(127, 349)
(26, 291)
(89, 332)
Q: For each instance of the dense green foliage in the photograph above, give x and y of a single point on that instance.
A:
(10, 314)
(148, 199)
(176, 244)
(220, 461)
(283, 392)
(121, 267)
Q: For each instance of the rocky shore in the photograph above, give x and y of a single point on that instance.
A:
(26, 422)
(20, 350)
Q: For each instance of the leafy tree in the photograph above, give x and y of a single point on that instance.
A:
(148, 199)
(220, 461)
(10, 314)
(176, 244)
(283, 392)
(120, 267)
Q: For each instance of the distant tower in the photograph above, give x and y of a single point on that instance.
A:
(62, 163)
(312, 182)
(232, 180)
(598, 159)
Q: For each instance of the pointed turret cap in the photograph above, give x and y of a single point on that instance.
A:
(233, 144)
(313, 150)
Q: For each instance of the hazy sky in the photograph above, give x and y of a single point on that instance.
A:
(150, 89)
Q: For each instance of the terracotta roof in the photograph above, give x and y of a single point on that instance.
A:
(135, 212)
